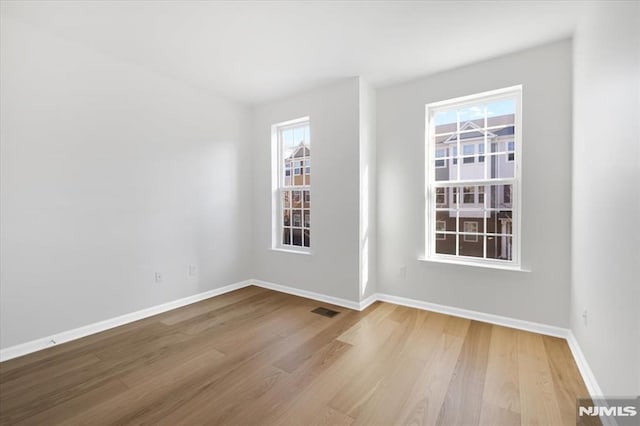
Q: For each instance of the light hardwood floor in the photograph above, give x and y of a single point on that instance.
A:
(256, 356)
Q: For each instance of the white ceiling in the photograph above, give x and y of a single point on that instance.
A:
(254, 51)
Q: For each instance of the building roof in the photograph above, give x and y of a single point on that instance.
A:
(447, 131)
(301, 151)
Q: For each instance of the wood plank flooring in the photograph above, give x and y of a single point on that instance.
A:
(256, 356)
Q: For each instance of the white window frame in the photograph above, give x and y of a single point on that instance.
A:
(515, 93)
(278, 187)
(470, 236)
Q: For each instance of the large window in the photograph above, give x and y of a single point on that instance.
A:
(473, 193)
(292, 185)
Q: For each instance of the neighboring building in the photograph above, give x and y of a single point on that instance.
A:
(298, 165)
(472, 162)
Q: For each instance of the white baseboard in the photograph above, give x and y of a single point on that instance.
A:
(364, 304)
(308, 294)
(67, 336)
(534, 327)
(586, 372)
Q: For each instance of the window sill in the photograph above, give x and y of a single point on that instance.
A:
(284, 250)
(476, 264)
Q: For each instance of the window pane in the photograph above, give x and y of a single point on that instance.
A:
(471, 245)
(499, 247)
(445, 121)
(447, 245)
(471, 221)
(468, 149)
(307, 240)
(286, 217)
(472, 113)
(307, 219)
(286, 236)
(296, 239)
(468, 195)
(441, 197)
(500, 222)
(500, 196)
(307, 199)
(297, 201)
(297, 218)
(501, 108)
(446, 221)
(286, 200)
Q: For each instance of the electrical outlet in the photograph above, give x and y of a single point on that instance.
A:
(158, 277)
(193, 270)
(584, 316)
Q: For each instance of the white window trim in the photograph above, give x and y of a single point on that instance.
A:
(430, 236)
(470, 236)
(278, 187)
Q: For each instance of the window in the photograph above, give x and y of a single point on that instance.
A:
(470, 226)
(479, 221)
(441, 196)
(291, 145)
(511, 147)
(468, 151)
(439, 154)
(469, 194)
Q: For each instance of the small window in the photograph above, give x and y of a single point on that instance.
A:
(454, 154)
(470, 226)
(292, 149)
(441, 196)
(468, 151)
(469, 194)
(506, 194)
(481, 153)
(511, 147)
(440, 153)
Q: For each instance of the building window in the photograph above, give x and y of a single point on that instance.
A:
(511, 147)
(469, 194)
(440, 153)
(482, 224)
(468, 151)
(470, 227)
(292, 191)
(441, 196)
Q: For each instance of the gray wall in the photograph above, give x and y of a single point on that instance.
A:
(606, 195)
(541, 295)
(333, 267)
(368, 191)
(109, 174)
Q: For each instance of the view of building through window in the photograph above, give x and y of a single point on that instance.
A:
(294, 182)
(472, 177)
